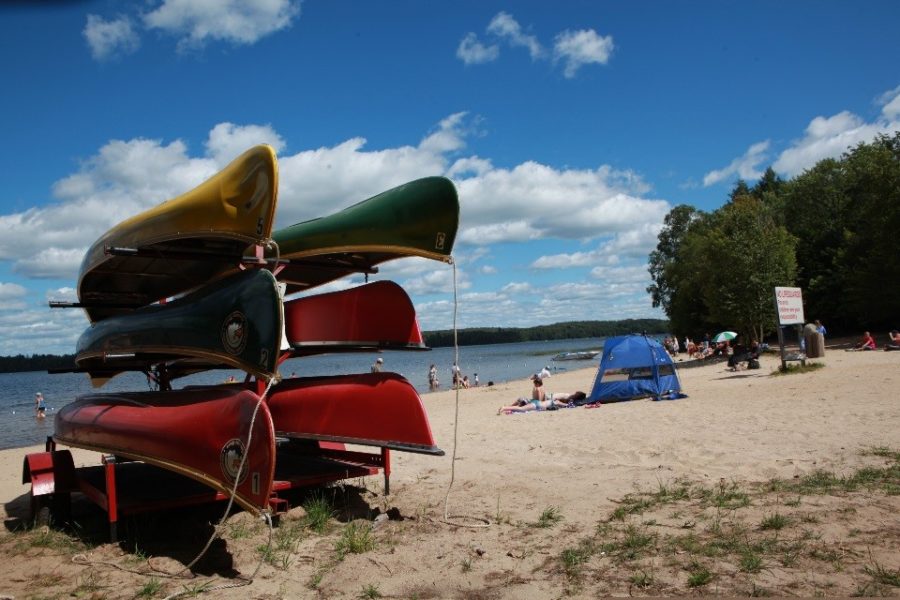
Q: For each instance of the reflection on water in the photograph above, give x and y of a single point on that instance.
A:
(498, 362)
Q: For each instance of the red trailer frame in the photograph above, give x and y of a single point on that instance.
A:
(125, 487)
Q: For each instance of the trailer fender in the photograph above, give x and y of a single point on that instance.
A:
(49, 472)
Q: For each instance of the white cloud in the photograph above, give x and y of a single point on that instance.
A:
(824, 137)
(471, 165)
(437, 281)
(110, 39)
(11, 291)
(745, 167)
(51, 263)
(241, 22)
(574, 49)
(504, 26)
(487, 270)
(517, 288)
(829, 137)
(227, 141)
(633, 244)
(533, 201)
(472, 52)
(63, 294)
(583, 47)
(890, 102)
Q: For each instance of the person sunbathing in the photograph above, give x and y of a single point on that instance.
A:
(539, 400)
(529, 405)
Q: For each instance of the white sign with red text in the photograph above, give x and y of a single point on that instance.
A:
(789, 301)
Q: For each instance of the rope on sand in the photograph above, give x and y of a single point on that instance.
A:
(448, 518)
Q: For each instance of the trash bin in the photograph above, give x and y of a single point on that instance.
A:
(814, 341)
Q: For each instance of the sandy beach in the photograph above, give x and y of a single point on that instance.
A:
(537, 500)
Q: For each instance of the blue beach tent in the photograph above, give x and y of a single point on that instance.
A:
(634, 366)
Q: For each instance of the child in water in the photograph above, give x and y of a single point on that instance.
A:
(40, 410)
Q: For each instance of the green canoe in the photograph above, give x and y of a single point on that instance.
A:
(419, 218)
(237, 321)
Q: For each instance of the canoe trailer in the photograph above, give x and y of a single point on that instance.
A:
(122, 487)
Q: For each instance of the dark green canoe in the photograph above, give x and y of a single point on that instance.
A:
(419, 218)
(234, 322)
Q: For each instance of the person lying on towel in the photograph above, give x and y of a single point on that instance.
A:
(540, 400)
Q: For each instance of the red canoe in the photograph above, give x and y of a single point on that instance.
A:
(372, 409)
(198, 432)
(376, 316)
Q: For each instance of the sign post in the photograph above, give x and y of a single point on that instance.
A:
(789, 306)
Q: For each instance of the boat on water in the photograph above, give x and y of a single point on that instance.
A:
(419, 218)
(581, 355)
(203, 433)
(375, 316)
(234, 322)
(184, 242)
(371, 409)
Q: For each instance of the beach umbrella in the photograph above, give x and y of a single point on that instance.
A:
(725, 336)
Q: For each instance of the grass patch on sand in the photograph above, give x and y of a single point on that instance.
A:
(548, 518)
(794, 369)
(356, 538)
(725, 537)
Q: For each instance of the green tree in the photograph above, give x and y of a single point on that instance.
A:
(740, 190)
(740, 258)
(664, 259)
(816, 211)
(870, 261)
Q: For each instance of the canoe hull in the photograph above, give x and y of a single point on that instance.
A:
(372, 409)
(419, 218)
(236, 322)
(185, 241)
(376, 316)
(201, 433)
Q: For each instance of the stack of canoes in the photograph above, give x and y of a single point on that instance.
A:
(196, 283)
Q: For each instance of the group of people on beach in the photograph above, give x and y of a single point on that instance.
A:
(460, 381)
(868, 342)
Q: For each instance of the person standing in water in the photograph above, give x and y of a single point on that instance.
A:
(40, 410)
(433, 382)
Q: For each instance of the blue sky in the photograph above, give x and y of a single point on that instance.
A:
(570, 129)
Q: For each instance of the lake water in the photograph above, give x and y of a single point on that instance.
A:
(496, 362)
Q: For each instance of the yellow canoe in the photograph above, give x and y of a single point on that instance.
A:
(183, 242)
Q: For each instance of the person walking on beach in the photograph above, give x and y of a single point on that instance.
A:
(377, 365)
(40, 410)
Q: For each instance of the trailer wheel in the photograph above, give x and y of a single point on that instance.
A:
(43, 518)
(41, 514)
(50, 509)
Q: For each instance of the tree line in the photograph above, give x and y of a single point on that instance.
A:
(35, 362)
(435, 339)
(476, 336)
(833, 230)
